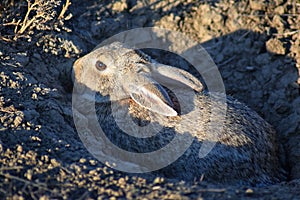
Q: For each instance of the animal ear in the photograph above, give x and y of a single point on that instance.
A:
(171, 75)
(152, 96)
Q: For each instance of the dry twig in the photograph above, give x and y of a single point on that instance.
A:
(40, 14)
(64, 9)
(25, 23)
(38, 185)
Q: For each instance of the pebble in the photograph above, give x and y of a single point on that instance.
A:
(250, 68)
(257, 4)
(34, 96)
(274, 45)
(158, 180)
(156, 187)
(278, 22)
(279, 10)
(249, 191)
(18, 120)
(19, 148)
(120, 6)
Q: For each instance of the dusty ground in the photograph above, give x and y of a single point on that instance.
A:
(255, 44)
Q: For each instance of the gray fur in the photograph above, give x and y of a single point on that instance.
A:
(246, 151)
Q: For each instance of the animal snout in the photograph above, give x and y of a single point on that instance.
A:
(76, 70)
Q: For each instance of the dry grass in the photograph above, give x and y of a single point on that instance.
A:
(39, 15)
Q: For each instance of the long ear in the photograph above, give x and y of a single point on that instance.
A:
(167, 74)
(152, 96)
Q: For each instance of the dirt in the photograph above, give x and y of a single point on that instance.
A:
(255, 44)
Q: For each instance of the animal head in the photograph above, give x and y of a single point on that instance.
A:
(121, 72)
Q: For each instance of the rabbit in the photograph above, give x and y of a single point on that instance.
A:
(130, 85)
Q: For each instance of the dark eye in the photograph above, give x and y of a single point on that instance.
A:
(100, 65)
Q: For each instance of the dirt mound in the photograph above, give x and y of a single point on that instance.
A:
(255, 44)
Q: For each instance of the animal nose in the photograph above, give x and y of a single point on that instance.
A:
(77, 62)
(76, 71)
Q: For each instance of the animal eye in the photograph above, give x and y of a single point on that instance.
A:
(100, 65)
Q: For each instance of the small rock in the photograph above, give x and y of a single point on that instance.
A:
(275, 46)
(120, 6)
(249, 191)
(278, 22)
(279, 2)
(156, 187)
(257, 5)
(44, 197)
(19, 148)
(217, 17)
(93, 162)
(34, 96)
(279, 10)
(35, 138)
(158, 180)
(250, 68)
(18, 120)
(54, 162)
(122, 182)
(29, 174)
